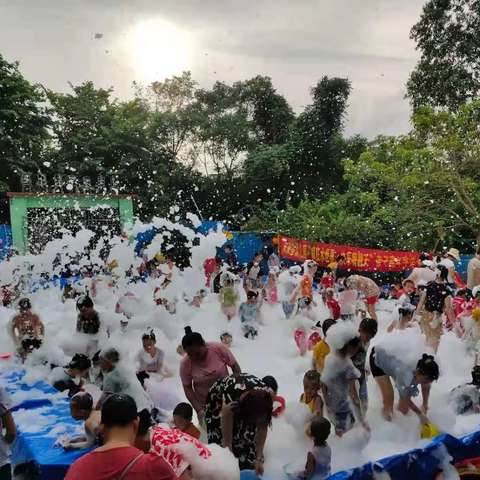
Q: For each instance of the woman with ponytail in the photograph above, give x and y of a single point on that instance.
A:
(203, 365)
(386, 365)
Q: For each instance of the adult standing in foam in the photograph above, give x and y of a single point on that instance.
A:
(423, 274)
(473, 271)
(118, 459)
(387, 364)
(204, 364)
(435, 300)
(368, 288)
(238, 412)
(449, 261)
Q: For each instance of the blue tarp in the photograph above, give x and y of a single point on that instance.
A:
(5, 240)
(52, 414)
(245, 244)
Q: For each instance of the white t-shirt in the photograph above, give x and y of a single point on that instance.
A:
(5, 406)
(422, 275)
(147, 363)
(446, 262)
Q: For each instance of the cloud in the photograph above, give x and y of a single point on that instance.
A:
(295, 43)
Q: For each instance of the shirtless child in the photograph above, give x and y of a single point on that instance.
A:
(81, 408)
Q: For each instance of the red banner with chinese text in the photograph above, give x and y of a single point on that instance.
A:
(361, 259)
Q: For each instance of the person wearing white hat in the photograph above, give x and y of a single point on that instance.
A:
(452, 256)
(473, 271)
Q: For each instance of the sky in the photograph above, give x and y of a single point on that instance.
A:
(295, 42)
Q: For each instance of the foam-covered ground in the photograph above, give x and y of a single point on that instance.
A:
(273, 352)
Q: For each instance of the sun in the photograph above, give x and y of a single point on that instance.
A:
(159, 49)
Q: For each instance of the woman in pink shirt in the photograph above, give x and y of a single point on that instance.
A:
(204, 364)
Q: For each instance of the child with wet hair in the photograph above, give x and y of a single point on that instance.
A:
(311, 396)
(228, 295)
(319, 458)
(340, 377)
(81, 408)
(226, 339)
(182, 419)
(250, 315)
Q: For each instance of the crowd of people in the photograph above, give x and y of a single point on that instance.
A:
(228, 407)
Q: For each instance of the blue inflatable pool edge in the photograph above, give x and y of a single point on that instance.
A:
(417, 464)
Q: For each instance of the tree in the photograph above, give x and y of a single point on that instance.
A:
(174, 115)
(224, 136)
(266, 173)
(24, 123)
(95, 134)
(270, 112)
(448, 73)
(453, 143)
(313, 166)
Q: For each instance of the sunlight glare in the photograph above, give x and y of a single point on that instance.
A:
(159, 49)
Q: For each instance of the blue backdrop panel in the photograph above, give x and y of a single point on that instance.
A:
(246, 245)
(5, 240)
(52, 462)
(462, 265)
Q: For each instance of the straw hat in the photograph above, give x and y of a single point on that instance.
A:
(453, 252)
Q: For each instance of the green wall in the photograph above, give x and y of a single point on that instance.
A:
(20, 203)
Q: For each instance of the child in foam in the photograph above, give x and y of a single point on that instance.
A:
(368, 288)
(81, 408)
(332, 304)
(26, 329)
(321, 349)
(327, 281)
(250, 315)
(339, 378)
(226, 339)
(182, 419)
(319, 457)
(367, 330)
(71, 377)
(347, 299)
(310, 268)
(288, 281)
(88, 323)
(228, 295)
(311, 392)
(150, 359)
(270, 290)
(279, 403)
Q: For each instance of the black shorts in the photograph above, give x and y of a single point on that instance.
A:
(376, 371)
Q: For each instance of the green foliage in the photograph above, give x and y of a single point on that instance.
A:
(24, 123)
(447, 74)
(419, 191)
(315, 167)
(270, 112)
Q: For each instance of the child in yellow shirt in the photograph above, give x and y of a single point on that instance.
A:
(311, 396)
(321, 349)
